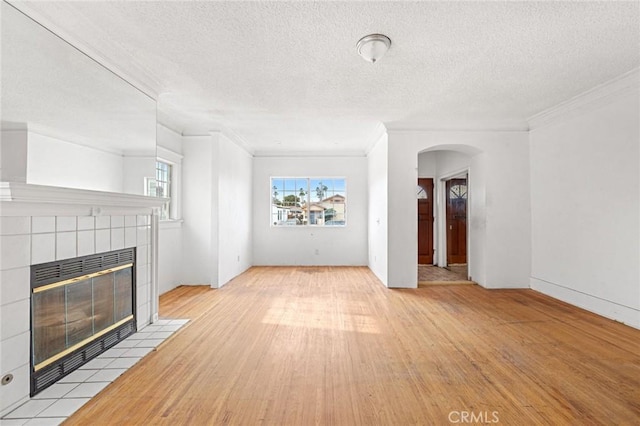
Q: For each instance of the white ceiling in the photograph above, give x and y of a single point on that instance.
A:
(285, 76)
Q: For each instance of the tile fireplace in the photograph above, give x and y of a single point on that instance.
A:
(53, 241)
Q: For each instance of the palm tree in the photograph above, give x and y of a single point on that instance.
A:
(321, 190)
(302, 195)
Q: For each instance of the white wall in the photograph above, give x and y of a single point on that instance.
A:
(427, 164)
(378, 211)
(585, 208)
(135, 168)
(170, 260)
(450, 162)
(234, 210)
(499, 182)
(199, 263)
(55, 162)
(13, 156)
(170, 249)
(297, 245)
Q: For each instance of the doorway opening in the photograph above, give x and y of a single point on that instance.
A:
(442, 212)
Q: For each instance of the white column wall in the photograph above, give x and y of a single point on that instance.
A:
(234, 210)
(378, 209)
(585, 201)
(199, 262)
(217, 200)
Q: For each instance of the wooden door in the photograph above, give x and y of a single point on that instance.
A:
(456, 221)
(425, 221)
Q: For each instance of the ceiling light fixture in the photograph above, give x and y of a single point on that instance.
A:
(373, 47)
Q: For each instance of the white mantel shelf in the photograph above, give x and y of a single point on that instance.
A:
(17, 193)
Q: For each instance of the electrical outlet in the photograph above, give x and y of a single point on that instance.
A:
(317, 251)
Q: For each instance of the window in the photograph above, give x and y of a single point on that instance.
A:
(161, 187)
(458, 192)
(308, 201)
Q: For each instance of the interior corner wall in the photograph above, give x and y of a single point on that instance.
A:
(585, 202)
(378, 202)
(310, 245)
(499, 166)
(234, 210)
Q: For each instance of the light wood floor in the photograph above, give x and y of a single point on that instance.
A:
(329, 345)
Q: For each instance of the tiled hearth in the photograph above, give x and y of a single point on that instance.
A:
(53, 405)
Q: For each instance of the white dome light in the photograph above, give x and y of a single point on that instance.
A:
(373, 47)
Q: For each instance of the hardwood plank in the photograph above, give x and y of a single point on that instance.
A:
(331, 345)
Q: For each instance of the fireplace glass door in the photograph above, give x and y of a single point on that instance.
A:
(69, 314)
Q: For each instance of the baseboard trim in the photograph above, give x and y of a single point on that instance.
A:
(605, 308)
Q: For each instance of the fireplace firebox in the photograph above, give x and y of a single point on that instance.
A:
(79, 308)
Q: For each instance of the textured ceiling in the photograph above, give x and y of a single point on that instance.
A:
(285, 76)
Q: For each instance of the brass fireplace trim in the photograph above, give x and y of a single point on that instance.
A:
(82, 343)
(81, 278)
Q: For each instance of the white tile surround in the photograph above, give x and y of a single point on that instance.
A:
(43, 224)
(53, 405)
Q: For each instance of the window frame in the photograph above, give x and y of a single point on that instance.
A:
(173, 208)
(309, 179)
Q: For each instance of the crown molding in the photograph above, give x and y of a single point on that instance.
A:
(376, 135)
(596, 97)
(169, 154)
(238, 140)
(462, 126)
(309, 154)
(169, 126)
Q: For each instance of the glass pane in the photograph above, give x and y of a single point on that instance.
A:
(103, 301)
(421, 193)
(48, 336)
(123, 294)
(318, 189)
(458, 192)
(79, 312)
